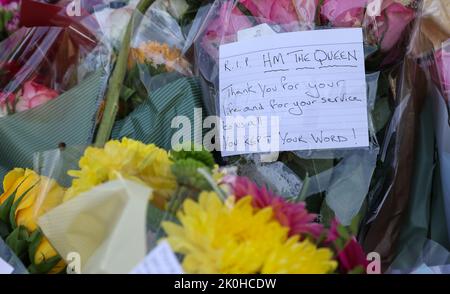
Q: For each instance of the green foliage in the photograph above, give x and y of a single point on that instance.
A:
(186, 172)
(18, 242)
(203, 156)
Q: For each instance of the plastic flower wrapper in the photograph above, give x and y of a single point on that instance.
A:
(321, 175)
(74, 205)
(423, 206)
(432, 259)
(113, 18)
(240, 228)
(134, 184)
(159, 84)
(156, 57)
(182, 10)
(104, 226)
(52, 82)
(11, 259)
(41, 63)
(386, 24)
(142, 115)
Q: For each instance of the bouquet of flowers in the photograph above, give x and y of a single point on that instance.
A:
(240, 228)
(218, 222)
(52, 80)
(425, 229)
(306, 211)
(336, 179)
(158, 83)
(69, 187)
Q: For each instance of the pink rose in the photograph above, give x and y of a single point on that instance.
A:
(288, 13)
(389, 25)
(230, 19)
(343, 13)
(224, 27)
(33, 95)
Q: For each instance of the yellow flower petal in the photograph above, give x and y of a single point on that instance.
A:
(126, 159)
(10, 183)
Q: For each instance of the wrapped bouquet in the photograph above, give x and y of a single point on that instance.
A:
(425, 230)
(52, 80)
(336, 179)
(217, 221)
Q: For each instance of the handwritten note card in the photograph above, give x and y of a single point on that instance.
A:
(161, 260)
(5, 268)
(294, 91)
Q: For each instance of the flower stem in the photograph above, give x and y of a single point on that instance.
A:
(116, 81)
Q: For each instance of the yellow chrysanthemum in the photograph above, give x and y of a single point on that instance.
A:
(299, 258)
(233, 238)
(127, 159)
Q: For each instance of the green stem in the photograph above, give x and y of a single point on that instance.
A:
(116, 81)
(303, 193)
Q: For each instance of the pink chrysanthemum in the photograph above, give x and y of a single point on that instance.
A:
(349, 257)
(295, 216)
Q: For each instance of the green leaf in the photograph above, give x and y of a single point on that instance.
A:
(18, 242)
(303, 193)
(154, 217)
(381, 113)
(126, 93)
(354, 226)
(4, 230)
(358, 270)
(343, 232)
(34, 240)
(45, 266)
(306, 167)
(5, 209)
(327, 214)
(340, 244)
(12, 212)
